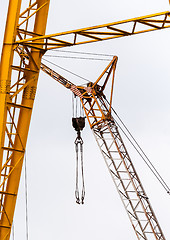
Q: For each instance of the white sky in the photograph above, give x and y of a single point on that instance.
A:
(141, 97)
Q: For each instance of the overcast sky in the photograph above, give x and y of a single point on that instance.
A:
(141, 98)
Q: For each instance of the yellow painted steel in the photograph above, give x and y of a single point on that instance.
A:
(6, 63)
(16, 148)
(91, 106)
(90, 93)
(105, 129)
(17, 91)
(97, 33)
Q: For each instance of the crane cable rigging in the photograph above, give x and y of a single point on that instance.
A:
(79, 142)
(79, 58)
(66, 70)
(26, 199)
(80, 53)
(78, 124)
(84, 53)
(131, 139)
(140, 151)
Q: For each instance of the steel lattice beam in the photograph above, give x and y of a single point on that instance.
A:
(24, 45)
(121, 168)
(18, 83)
(94, 34)
(118, 161)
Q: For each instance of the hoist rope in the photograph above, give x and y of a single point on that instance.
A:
(82, 173)
(77, 188)
(78, 124)
(133, 141)
(86, 53)
(76, 105)
(13, 231)
(79, 58)
(66, 70)
(81, 110)
(78, 142)
(73, 104)
(26, 198)
(145, 159)
(141, 152)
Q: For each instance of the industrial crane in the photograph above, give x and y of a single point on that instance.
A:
(24, 45)
(98, 111)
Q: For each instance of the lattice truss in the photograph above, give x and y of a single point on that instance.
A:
(97, 33)
(17, 89)
(122, 170)
(22, 87)
(130, 189)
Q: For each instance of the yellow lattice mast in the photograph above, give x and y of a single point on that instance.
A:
(24, 44)
(17, 95)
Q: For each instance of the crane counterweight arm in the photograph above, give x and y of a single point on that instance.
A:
(83, 92)
(60, 79)
(96, 33)
(66, 83)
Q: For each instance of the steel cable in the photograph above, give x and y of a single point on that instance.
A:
(140, 152)
(78, 142)
(26, 198)
(65, 70)
(79, 58)
(85, 53)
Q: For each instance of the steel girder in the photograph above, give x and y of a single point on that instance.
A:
(18, 83)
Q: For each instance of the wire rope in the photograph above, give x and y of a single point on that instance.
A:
(86, 53)
(144, 156)
(79, 58)
(13, 231)
(85, 79)
(26, 198)
(134, 142)
(79, 148)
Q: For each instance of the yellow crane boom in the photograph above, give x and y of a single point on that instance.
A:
(19, 72)
(96, 33)
(99, 115)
